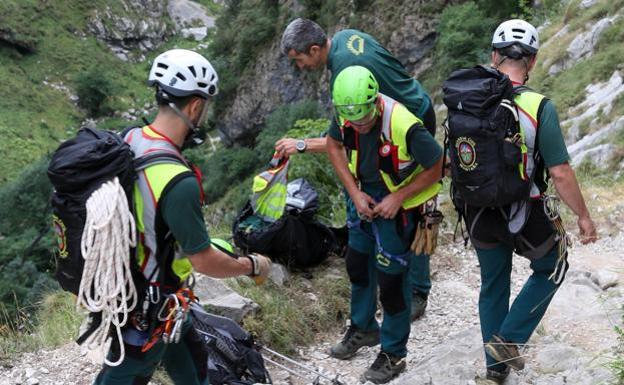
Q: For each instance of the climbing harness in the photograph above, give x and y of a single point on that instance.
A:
(426, 236)
(551, 209)
(400, 258)
(318, 375)
(172, 315)
(106, 285)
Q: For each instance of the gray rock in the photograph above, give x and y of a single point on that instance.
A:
(596, 137)
(587, 3)
(583, 45)
(598, 98)
(131, 25)
(279, 274)
(605, 278)
(600, 156)
(218, 297)
(198, 34)
(558, 358)
(188, 14)
(32, 381)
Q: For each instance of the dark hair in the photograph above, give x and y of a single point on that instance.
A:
(163, 99)
(515, 52)
(300, 35)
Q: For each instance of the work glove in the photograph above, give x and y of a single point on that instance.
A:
(261, 267)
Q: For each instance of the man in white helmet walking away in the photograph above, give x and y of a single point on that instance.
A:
(173, 236)
(540, 237)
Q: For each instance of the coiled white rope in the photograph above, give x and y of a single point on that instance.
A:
(106, 285)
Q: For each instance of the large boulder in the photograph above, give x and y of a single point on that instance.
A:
(131, 25)
(217, 297)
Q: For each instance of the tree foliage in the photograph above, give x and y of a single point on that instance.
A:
(94, 88)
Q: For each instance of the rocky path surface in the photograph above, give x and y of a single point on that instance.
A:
(571, 346)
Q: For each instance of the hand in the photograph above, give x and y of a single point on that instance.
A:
(261, 267)
(286, 146)
(389, 206)
(587, 230)
(364, 205)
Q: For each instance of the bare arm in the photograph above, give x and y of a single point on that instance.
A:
(287, 146)
(567, 186)
(338, 158)
(392, 202)
(217, 264)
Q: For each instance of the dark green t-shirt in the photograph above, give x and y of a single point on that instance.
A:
(550, 142)
(351, 47)
(182, 212)
(422, 147)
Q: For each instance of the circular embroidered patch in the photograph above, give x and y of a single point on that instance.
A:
(385, 150)
(467, 153)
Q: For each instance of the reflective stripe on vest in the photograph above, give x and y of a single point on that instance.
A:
(269, 191)
(396, 122)
(148, 189)
(528, 103)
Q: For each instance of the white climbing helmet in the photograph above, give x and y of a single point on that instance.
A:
(516, 31)
(180, 72)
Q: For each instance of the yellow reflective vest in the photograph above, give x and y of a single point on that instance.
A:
(396, 167)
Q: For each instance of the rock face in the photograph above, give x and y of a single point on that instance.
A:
(582, 46)
(131, 25)
(272, 81)
(191, 19)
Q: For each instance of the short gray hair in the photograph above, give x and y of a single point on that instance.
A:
(301, 34)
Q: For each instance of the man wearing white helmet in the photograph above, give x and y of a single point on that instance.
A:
(168, 199)
(506, 329)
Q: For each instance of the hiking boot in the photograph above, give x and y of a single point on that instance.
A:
(496, 376)
(384, 369)
(352, 341)
(503, 351)
(419, 304)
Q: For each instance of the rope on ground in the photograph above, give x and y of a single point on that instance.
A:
(106, 285)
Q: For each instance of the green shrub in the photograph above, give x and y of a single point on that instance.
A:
(94, 87)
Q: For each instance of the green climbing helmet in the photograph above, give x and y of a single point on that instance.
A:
(354, 93)
(222, 245)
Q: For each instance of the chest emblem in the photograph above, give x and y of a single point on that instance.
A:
(385, 149)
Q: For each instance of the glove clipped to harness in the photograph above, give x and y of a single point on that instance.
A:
(426, 238)
(261, 267)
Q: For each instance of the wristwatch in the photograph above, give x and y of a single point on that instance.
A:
(301, 145)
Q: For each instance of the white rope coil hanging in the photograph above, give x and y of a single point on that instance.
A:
(106, 285)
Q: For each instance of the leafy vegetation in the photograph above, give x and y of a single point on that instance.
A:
(94, 87)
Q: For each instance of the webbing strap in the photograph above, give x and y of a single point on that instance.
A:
(400, 258)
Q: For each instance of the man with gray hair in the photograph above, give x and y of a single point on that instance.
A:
(306, 44)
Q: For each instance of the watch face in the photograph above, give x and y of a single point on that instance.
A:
(301, 145)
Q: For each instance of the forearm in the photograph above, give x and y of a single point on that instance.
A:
(316, 145)
(422, 181)
(567, 186)
(338, 158)
(217, 264)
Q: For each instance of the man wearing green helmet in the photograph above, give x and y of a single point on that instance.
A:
(306, 44)
(389, 165)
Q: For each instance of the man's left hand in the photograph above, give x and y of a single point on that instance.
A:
(286, 146)
(389, 206)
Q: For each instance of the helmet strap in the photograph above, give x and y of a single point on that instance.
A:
(192, 138)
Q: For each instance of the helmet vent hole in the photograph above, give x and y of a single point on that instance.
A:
(162, 65)
(158, 74)
(203, 72)
(212, 77)
(192, 69)
(181, 77)
(212, 90)
(518, 30)
(202, 84)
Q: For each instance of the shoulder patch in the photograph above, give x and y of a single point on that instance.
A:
(355, 44)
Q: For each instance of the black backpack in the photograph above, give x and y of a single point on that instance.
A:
(484, 138)
(233, 356)
(297, 239)
(79, 167)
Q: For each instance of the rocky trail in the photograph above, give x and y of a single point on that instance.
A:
(572, 345)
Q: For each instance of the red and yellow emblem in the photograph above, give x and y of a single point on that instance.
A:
(61, 237)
